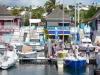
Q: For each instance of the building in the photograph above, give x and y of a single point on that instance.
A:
(58, 19)
(33, 34)
(95, 21)
(8, 26)
(95, 25)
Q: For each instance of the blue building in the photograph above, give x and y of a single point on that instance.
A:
(60, 21)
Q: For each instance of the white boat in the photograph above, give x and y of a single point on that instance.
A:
(85, 42)
(27, 52)
(8, 59)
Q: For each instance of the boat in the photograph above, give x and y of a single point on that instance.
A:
(27, 52)
(85, 42)
(8, 59)
(74, 60)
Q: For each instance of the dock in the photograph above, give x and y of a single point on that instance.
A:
(43, 60)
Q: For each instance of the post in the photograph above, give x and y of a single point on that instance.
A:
(78, 14)
(75, 21)
(63, 22)
(30, 28)
(60, 66)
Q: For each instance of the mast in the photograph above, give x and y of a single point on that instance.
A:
(75, 22)
(78, 14)
(63, 22)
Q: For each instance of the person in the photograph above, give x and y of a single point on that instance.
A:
(87, 51)
(45, 50)
(97, 48)
(54, 51)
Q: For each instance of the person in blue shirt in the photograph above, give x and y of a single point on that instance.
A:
(87, 51)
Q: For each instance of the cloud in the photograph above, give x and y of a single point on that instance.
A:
(41, 2)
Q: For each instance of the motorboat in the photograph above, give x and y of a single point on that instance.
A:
(8, 59)
(27, 52)
(86, 42)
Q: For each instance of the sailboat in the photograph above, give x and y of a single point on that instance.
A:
(75, 60)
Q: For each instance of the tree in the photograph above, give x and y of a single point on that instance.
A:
(38, 13)
(49, 5)
(15, 11)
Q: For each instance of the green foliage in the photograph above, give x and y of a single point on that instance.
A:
(69, 39)
(45, 31)
(15, 11)
(49, 5)
(37, 13)
(90, 12)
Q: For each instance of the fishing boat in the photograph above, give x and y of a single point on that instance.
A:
(9, 58)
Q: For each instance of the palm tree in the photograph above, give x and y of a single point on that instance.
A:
(49, 5)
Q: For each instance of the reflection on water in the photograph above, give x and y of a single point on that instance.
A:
(4, 72)
(71, 71)
(88, 70)
(32, 69)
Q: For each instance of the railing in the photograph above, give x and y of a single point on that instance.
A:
(59, 27)
(8, 27)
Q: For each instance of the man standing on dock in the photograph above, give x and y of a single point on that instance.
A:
(87, 51)
(97, 48)
(45, 50)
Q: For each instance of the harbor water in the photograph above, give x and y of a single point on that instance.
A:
(46, 69)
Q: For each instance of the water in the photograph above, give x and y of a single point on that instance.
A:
(40, 69)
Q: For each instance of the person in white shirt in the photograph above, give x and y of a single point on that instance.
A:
(97, 48)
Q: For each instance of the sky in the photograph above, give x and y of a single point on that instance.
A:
(41, 2)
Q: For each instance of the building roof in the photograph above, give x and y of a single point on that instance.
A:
(4, 11)
(57, 14)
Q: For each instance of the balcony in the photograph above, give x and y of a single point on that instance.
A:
(8, 27)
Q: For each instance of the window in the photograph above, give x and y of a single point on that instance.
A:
(89, 42)
(61, 24)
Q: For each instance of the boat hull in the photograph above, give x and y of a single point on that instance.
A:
(29, 55)
(8, 64)
(33, 55)
(75, 64)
